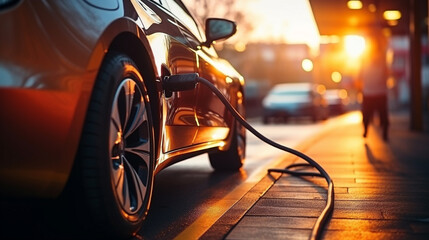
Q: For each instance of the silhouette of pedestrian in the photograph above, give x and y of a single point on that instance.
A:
(374, 75)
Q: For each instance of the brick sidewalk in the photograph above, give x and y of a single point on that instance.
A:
(381, 189)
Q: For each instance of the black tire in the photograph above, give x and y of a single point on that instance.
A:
(115, 160)
(233, 158)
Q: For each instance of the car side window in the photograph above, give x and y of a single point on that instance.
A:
(183, 16)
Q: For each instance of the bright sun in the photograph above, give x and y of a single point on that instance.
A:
(355, 45)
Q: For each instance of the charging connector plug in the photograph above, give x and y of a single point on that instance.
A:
(180, 82)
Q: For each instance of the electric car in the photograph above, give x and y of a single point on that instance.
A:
(288, 100)
(84, 109)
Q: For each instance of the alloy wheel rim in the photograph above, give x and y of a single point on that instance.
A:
(129, 144)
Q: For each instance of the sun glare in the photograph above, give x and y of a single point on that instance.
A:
(355, 45)
(290, 21)
(355, 117)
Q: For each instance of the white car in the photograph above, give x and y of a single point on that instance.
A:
(295, 100)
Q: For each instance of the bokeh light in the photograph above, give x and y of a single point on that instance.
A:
(240, 47)
(336, 77)
(307, 65)
(343, 94)
(354, 4)
(392, 15)
(321, 89)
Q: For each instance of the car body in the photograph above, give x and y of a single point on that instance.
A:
(337, 100)
(287, 100)
(82, 101)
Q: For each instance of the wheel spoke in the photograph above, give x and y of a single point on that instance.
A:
(120, 183)
(142, 152)
(136, 188)
(114, 137)
(138, 119)
(115, 117)
(126, 203)
(129, 89)
(117, 171)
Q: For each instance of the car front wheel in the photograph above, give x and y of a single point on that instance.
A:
(116, 153)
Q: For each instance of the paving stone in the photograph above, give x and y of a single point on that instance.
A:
(409, 214)
(380, 197)
(242, 232)
(312, 212)
(370, 225)
(312, 189)
(380, 205)
(391, 189)
(283, 211)
(381, 189)
(366, 235)
(303, 203)
(277, 222)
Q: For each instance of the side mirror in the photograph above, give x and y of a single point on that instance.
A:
(217, 28)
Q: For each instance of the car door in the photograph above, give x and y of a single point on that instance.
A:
(173, 56)
(213, 117)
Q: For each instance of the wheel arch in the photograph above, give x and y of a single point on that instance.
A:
(126, 36)
(129, 44)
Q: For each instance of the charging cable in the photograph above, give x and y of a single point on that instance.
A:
(182, 82)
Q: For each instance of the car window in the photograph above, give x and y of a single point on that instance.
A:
(182, 14)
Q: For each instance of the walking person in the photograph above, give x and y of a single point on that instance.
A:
(374, 75)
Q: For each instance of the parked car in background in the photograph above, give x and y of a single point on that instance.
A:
(288, 100)
(337, 100)
(82, 103)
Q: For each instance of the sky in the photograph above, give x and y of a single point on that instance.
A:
(288, 21)
(278, 21)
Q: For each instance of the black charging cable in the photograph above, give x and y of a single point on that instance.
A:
(182, 82)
